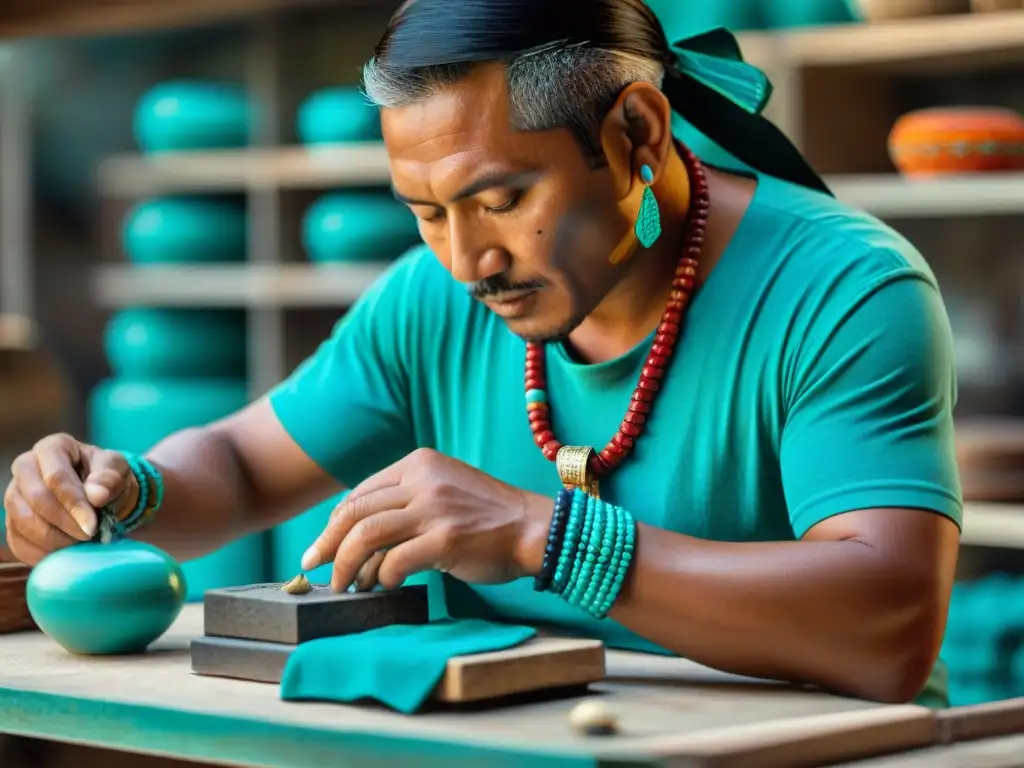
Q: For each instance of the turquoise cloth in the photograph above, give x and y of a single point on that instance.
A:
(814, 376)
(398, 665)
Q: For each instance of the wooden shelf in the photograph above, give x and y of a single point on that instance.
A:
(366, 164)
(943, 41)
(238, 170)
(244, 285)
(68, 18)
(895, 196)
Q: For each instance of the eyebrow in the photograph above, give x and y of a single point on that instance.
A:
(488, 181)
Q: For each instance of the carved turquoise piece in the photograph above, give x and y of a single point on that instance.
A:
(106, 599)
(648, 222)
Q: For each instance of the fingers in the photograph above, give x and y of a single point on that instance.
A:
(55, 471)
(50, 488)
(386, 478)
(366, 579)
(30, 530)
(110, 482)
(412, 557)
(348, 514)
(25, 551)
(368, 537)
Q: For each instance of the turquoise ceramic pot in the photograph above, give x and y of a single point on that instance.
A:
(144, 343)
(338, 115)
(182, 230)
(96, 599)
(135, 415)
(358, 227)
(178, 116)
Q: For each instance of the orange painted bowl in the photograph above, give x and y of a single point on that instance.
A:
(934, 142)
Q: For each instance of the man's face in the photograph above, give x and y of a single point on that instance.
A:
(518, 217)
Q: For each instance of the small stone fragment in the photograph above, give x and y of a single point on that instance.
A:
(593, 718)
(298, 586)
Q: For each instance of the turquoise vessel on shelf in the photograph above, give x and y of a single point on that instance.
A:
(356, 226)
(185, 230)
(106, 599)
(192, 115)
(185, 343)
(336, 116)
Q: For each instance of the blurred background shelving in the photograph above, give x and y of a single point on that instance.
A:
(72, 174)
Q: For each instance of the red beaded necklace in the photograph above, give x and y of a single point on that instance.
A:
(664, 345)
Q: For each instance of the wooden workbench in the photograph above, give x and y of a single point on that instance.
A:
(672, 713)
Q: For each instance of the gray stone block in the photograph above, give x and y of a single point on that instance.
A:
(240, 659)
(264, 612)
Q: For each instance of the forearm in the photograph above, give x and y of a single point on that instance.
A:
(835, 614)
(206, 494)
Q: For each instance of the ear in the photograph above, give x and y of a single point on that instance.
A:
(637, 131)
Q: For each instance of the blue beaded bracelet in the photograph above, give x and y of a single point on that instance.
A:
(556, 535)
(151, 496)
(597, 551)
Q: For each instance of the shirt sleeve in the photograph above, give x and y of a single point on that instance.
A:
(347, 406)
(869, 420)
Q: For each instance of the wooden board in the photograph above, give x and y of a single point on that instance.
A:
(1004, 752)
(538, 665)
(671, 712)
(14, 615)
(264, 612)
(982, 721)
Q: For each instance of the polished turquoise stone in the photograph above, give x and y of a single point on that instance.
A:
(106, 599)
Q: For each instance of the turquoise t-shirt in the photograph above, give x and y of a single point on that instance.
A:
(814, 376)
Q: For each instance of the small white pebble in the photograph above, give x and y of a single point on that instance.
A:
(593, 718)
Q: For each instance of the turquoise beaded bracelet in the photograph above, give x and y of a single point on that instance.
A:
(597, 552)
(151, 496)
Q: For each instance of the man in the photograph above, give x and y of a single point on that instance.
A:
(784, 365)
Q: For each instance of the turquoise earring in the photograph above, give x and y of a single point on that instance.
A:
(648, 222)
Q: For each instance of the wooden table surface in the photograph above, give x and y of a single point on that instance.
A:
(672, 712)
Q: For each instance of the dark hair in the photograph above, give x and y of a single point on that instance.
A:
(567, 60)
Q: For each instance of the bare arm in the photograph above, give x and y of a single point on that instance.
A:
(859, 606)
(237, 476)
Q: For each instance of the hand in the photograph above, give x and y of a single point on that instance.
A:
(57, 487)
(432, 512)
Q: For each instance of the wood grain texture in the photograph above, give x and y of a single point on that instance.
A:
(264, 612)
(14, 614)
(799, 742)
(1005, 752)
(670, 711)
(982, 721)
(538, 665)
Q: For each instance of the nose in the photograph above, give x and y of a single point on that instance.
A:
(474, 258)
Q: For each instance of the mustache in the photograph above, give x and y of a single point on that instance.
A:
(499, 284)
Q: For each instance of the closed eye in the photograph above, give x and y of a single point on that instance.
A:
(506, 207)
